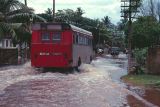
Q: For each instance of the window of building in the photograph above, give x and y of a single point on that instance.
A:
(7, 43)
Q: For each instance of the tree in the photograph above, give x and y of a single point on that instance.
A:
(146, 32)
(78, 15)
(76, 18)
(13, 11)
(106, 21)
(151, 8)
(49, 15)
(70, 16)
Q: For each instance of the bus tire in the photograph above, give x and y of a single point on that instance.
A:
(76, 69)
(91, 59)
(79, 62)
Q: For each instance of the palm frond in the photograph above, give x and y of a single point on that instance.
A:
(11, 5)
(37, 18)
(6, 31)
(1, 32)
(16, 25)
(24, 17)
(19, 11)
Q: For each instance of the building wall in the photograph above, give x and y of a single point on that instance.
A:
(8, 56)
(0, 43)
(6, 43)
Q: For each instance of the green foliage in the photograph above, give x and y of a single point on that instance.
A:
(22, 33)
(99, 28)
(146, 32)
(48, 15)
(13, 11)
(106, 21)
(70, 16)
(140, 56)
(145, 80)
(6, 30)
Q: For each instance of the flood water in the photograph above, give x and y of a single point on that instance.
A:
(96, 85)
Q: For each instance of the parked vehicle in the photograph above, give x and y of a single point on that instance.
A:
(60, 45)
(115, 51)
(100, 51)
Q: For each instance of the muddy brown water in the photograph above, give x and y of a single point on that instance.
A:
(97, 85)
(152, 95)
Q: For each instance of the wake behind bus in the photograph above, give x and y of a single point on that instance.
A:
(60, 45)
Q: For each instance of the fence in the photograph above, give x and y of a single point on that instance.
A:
(8, 56)
(11, 56)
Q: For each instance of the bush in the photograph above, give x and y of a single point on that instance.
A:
(140, 56)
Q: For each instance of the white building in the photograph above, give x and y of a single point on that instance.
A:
(6, 43)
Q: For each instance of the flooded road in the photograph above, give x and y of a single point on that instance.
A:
(97, 85)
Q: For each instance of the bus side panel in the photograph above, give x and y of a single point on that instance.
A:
(82, 51)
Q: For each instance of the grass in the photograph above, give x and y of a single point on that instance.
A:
(144, 80)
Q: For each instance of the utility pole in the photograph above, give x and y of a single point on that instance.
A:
(25, 2)
(53, 10)
(129, 37)
(128, 7)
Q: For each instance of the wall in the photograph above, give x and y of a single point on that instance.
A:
(8, 56)
(153, 60)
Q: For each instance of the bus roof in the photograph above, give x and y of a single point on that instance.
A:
(74, 28)
(59, 26)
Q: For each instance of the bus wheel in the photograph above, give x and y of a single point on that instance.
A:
(79, 62)
(91, 59)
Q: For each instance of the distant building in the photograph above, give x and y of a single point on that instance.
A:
(6, 43)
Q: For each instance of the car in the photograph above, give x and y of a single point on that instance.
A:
(100, 50)
(114, 51)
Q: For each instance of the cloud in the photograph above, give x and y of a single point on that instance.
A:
(93, 8)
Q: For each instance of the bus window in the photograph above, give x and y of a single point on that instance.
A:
(80, 40)
(90, 42)
(74, 38)
(85, 41)
(56, 37)
(77, 35)
(45, 36)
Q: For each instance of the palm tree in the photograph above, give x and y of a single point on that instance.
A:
(106, 20)
(13, 11)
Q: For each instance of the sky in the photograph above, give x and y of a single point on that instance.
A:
(93, 8)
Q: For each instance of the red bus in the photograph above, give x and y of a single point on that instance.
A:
(60, 45)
